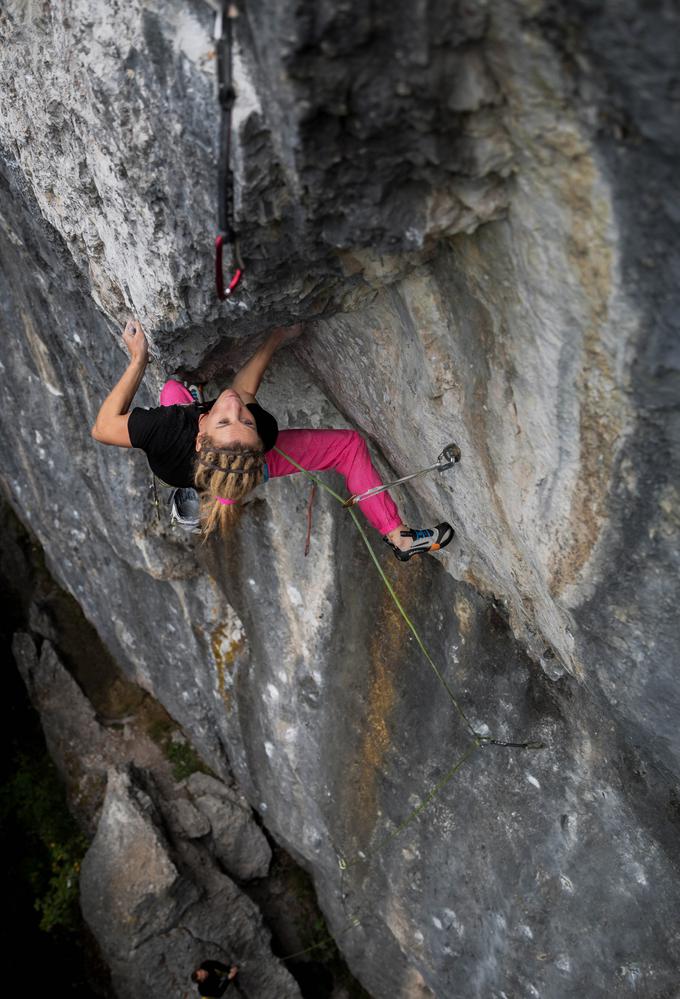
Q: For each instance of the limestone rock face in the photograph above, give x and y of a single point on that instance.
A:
(188, 820)
(475, 209)
(80, 747)
(239, 844)
(128, 877)
(153, 922)
(153, 886)
(394, 116)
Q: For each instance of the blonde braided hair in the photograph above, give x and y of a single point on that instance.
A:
(228, 473)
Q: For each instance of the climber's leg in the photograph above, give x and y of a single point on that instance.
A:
(174, 393)
(344, 451)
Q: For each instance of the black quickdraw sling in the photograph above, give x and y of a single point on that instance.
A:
(225, 177)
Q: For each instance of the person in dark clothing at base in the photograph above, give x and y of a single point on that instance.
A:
(214, 978)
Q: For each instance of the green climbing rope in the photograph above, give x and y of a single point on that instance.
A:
(361, 857)
(390, 590)
(322, 943)
(478, 740)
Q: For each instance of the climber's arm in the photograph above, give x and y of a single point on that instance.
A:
(248, 379)
(111, 425)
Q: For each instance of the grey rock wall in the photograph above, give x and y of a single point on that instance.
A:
(156, 885)
(475, 211)
(156, 916)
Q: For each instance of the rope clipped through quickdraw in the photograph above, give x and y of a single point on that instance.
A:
(478, 740)
(225, 177)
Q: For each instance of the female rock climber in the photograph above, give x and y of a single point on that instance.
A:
(223, 449)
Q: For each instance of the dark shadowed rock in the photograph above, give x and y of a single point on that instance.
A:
(80, 747)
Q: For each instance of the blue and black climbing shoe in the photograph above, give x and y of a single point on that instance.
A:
(423, 541)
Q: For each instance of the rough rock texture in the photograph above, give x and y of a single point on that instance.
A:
(155, 923)
(240, 846)
(80, 747)
(407, 154)
(369, 174)
(153, 887)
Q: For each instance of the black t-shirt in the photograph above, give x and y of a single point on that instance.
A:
(218, 980)
(167, 434)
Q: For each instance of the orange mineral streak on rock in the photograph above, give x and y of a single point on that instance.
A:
(465, 613)
(225, 651)
(601, 414)
(386, 655)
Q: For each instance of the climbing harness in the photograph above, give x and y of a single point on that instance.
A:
(449, 457)
(225, 177)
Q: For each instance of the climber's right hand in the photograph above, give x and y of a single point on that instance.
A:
(134, 339)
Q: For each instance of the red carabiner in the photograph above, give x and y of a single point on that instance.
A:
(223, 292)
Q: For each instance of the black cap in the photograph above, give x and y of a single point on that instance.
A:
(267, 427)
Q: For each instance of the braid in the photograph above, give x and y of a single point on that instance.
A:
(227, 473)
